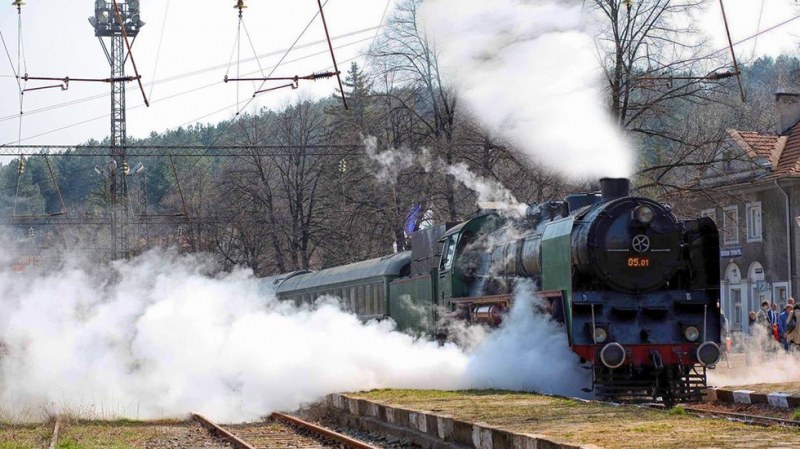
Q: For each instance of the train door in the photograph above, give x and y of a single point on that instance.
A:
(446, 269)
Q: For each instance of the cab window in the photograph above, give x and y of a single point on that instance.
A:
(448, 253)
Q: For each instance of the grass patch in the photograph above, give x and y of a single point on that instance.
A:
(69, 444)
(578, 422)
(796, 414)
(14, 445)
(677, 411)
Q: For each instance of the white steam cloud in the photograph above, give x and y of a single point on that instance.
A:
(160, 336)
(763, 361)
(528, 70)
(390, 162)
(508, 359)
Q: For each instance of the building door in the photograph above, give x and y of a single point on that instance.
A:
(734, 280)
(736, 305)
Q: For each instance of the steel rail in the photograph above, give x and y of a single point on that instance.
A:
(235, 441)
(321, 431)
(744, 416)
(54, 437)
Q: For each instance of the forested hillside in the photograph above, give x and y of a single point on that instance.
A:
(327, 197)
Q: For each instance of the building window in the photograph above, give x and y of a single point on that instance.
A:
(730, 225)
(736, 300)
(710, 213)
(753, 221)
(779, 295)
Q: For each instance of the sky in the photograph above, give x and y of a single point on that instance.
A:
(199, 38)
(59, 41)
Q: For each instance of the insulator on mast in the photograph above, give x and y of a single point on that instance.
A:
(240, 6)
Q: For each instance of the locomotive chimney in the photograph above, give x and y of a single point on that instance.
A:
(613, 188)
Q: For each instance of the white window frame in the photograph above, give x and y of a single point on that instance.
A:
(754, 226)
(710, 213)
(776, 286)
(730, 213)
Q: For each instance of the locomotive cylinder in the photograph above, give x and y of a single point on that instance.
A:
(488, 314)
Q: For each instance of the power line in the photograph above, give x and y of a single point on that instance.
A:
(195, 73)
(178, 95)
(191, 150)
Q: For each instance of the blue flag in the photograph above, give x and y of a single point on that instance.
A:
(411, 219)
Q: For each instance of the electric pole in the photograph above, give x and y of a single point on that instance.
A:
(117, 20)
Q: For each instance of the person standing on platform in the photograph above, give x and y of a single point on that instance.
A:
(793, 330)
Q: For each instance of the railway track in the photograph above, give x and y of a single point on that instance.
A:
(744, 417)
(280, 431)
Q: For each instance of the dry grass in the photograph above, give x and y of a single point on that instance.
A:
(122, 434)
(33, 436)
(567, 420)
(790, 387)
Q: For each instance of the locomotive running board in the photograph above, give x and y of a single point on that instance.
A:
(502, 299)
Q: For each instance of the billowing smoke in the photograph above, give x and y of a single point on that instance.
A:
(390, 162)
(160, 337)
(528, 70)
(761, 361)
(164, 334)
(529, 352)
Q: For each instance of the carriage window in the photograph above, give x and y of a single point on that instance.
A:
(370, 305)
(448, 253)
(361, 300)
(379, 298)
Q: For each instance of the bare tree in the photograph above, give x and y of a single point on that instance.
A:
(416, 85)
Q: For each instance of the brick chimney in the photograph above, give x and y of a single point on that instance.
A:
(787, 110)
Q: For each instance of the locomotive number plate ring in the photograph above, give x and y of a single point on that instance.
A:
(641, 243)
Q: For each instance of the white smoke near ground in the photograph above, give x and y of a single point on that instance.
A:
(164, 335)
(758, 359)
(528, 70)
(529, 352)
(164, 339)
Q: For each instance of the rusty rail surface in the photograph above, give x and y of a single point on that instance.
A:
(322, 431)
(54, 437)
(235, 441)
(289, 421)
(744, 416)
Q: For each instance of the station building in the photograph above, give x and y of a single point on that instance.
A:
(752, 191)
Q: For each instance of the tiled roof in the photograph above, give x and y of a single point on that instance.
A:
(759, 144)
(783, 152)
(789, 163)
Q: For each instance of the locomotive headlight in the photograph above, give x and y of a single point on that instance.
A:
(691, 333)
(600, 335)
(643, 214)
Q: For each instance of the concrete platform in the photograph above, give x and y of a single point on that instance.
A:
(513, 420)
(766, 378)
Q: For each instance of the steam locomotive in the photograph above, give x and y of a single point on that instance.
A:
(635, 289)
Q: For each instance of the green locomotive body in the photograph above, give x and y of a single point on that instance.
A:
(635, 289)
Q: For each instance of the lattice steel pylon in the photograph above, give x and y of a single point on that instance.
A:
(117, 20)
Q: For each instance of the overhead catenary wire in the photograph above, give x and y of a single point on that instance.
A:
(195, 120)
(725, 49)
(758, 27)
(199, 72)
(275, 67)
(158, 50)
